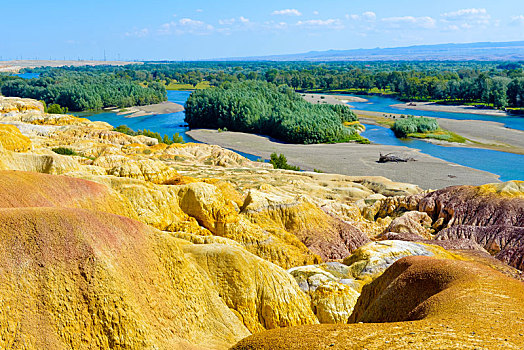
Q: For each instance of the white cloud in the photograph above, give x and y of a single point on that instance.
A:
(199, 10)
(367, 16)
(419, 22)
(139, 33)
(469, 17)
(287, 12)
(231, 21)
(517, 19)
(370, 16)
(315, 13)
(330, 23)
(226, 22)
(186, 26)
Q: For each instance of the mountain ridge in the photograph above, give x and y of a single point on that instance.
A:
(481, 51)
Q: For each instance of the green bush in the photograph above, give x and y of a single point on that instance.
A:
(64, 151)
(410, 125)
(280, 162)
(55, 108)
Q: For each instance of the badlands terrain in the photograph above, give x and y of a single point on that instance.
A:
(132, 244)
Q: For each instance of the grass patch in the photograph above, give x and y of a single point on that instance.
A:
(441, 135)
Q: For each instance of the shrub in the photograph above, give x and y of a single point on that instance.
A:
(410, 125)
(55, 108)
(280, 162)
(64, 151)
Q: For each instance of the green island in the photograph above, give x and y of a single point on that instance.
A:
(276, 111)
(423, 128)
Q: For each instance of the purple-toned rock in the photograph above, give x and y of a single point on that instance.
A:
(475, 206)
(506, 243)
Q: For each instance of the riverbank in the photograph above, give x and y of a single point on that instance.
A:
(479, 134)
(435, 107)
(331, 99)
(158, 108)
(353, 159)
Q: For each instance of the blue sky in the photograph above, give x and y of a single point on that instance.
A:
(185, 30)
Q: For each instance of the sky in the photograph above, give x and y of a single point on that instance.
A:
(204, 29)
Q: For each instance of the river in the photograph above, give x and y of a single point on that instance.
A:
(508, 166)
(384, 104)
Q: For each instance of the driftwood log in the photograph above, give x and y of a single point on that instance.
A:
(384, 158)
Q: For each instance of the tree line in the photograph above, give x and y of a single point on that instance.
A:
(498, 84)
(80, 91)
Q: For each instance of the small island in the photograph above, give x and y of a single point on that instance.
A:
(278, 111)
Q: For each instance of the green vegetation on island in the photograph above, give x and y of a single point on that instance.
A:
(276, 111)
(423, 128)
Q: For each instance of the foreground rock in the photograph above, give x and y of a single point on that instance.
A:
(423, 304)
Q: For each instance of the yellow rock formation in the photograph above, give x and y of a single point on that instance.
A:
(12, 139)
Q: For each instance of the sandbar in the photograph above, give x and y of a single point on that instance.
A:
(353, 159)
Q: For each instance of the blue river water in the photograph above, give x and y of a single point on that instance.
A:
(162, 123)
(384, 105)
(508, 165)
(27, 75)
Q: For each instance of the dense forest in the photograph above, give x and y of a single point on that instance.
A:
(264, 108)
(496, 84)
(80, 91)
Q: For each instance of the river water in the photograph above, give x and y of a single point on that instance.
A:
(384, 105)
(508, 165)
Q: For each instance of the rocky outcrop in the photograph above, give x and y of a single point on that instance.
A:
(430, 291)
(262, 294)
(506, 243)
(323, 234)
(477, 206)
(370, 261)
(332, 289)
(11, 139)
(16, 105)
(414, 223)
(20, 189)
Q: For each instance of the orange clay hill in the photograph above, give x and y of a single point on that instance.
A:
(419, 303)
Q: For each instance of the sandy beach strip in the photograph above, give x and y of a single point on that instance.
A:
(331, 99)
(481, 134)
(353, 159)
(159, 108)
(435, 107)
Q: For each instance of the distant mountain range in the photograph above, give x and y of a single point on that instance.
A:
(484, 51)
